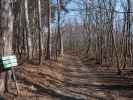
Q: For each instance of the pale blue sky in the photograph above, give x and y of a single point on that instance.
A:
(75, 15)
(72, 15)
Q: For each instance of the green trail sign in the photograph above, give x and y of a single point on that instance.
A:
(8, 62)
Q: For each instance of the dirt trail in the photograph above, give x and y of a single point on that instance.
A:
(69, 79)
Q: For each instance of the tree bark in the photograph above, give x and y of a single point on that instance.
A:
(6, 29)
(48, 51)
(28, 37)
(40, 36)
(60, 37)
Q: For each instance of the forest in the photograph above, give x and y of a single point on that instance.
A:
(66, 49)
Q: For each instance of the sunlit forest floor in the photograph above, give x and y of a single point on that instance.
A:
(71, 78)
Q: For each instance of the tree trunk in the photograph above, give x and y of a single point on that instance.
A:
(40, 36)
(6, 28)
(27, 30)
(48, 52)
(60, 38)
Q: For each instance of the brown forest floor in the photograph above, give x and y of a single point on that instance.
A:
(70, 79)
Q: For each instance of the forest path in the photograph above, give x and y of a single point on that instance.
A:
(70, 79)
(79, 78)
(97, 84)
(83, 80)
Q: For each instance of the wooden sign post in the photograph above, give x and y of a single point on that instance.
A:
(7, 63)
